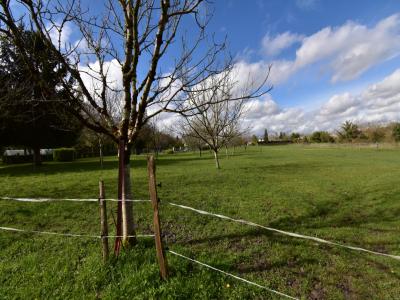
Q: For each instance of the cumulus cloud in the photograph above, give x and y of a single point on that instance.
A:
(339, 105)
(346, 51)
(90, 75)
(272, 46)
(378, 102)
(384, 93)
(266, 113)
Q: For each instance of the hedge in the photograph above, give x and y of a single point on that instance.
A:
(19, 159)
(64, 154)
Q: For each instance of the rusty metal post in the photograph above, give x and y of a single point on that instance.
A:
(162, 260)
(103, 221)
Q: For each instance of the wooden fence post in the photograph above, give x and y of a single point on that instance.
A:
(162, 260)
(103, 221)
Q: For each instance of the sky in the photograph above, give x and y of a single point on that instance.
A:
(332, 60)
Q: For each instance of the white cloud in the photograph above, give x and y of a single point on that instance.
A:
(385, 91)
(60, 35)
(90, 75)
(265, 113)
(339, 104)
(378, 102)
(346, 51)
(272, 46)
(281, 70)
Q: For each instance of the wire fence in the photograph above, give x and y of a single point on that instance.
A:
(220, 216)
(70, 199)
(71, 234)
(202, 212)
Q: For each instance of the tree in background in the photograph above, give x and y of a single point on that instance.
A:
(349, 132)
(283, 136)
(93, 144)
(376, 135)
(396, 132)
(27, 117)
(295, 137)
(151, 139)
(321, 137)
(254, 139)
(194, 142)
(222, 120)
(237, 141)
(266, 136)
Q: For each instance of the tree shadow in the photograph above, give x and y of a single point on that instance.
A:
(85, 164)
(325, 215)
(255, 236)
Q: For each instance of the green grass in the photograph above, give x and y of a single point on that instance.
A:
(351, 196)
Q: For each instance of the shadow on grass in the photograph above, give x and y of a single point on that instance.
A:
(85, 165)
(330, 214)
(284, 168)
(254, 238)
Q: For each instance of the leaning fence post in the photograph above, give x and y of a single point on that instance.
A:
(162, 260)
(103, 221)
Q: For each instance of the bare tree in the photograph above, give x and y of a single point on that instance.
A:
(160, 66)
(192, 140)
(218, 122)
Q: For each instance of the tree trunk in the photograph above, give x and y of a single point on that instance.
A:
(101, 153)
(226, 151)
(216, 159)
(36, 156)
(128, 225)
(125, 222)
(200, 151)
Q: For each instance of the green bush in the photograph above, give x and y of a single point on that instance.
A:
(21, 159)
(64, 154)
(17, 159)
(169, 151)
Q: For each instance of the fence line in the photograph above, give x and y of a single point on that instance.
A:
(292, 234)
(142, 236)
(232, 275)
(70, 234)
(69, 199)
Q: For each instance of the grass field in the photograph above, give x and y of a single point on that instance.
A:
(351, 196)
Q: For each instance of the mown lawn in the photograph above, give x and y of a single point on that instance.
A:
(351, 196)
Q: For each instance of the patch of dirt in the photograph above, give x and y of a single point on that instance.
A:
(318, 292)
(294, 283)
(345, 288)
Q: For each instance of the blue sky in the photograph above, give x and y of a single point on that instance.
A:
(353, 53)
(247, 22)
(332, 60)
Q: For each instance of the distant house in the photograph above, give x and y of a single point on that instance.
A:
(26, 152)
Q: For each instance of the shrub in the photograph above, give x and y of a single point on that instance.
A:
(21, 159)
(169, 151)
(396, 132)
(321, 137)
(17, 159)
(64, 154)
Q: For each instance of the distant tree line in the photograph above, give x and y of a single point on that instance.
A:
(150, 140)
(348, 132)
